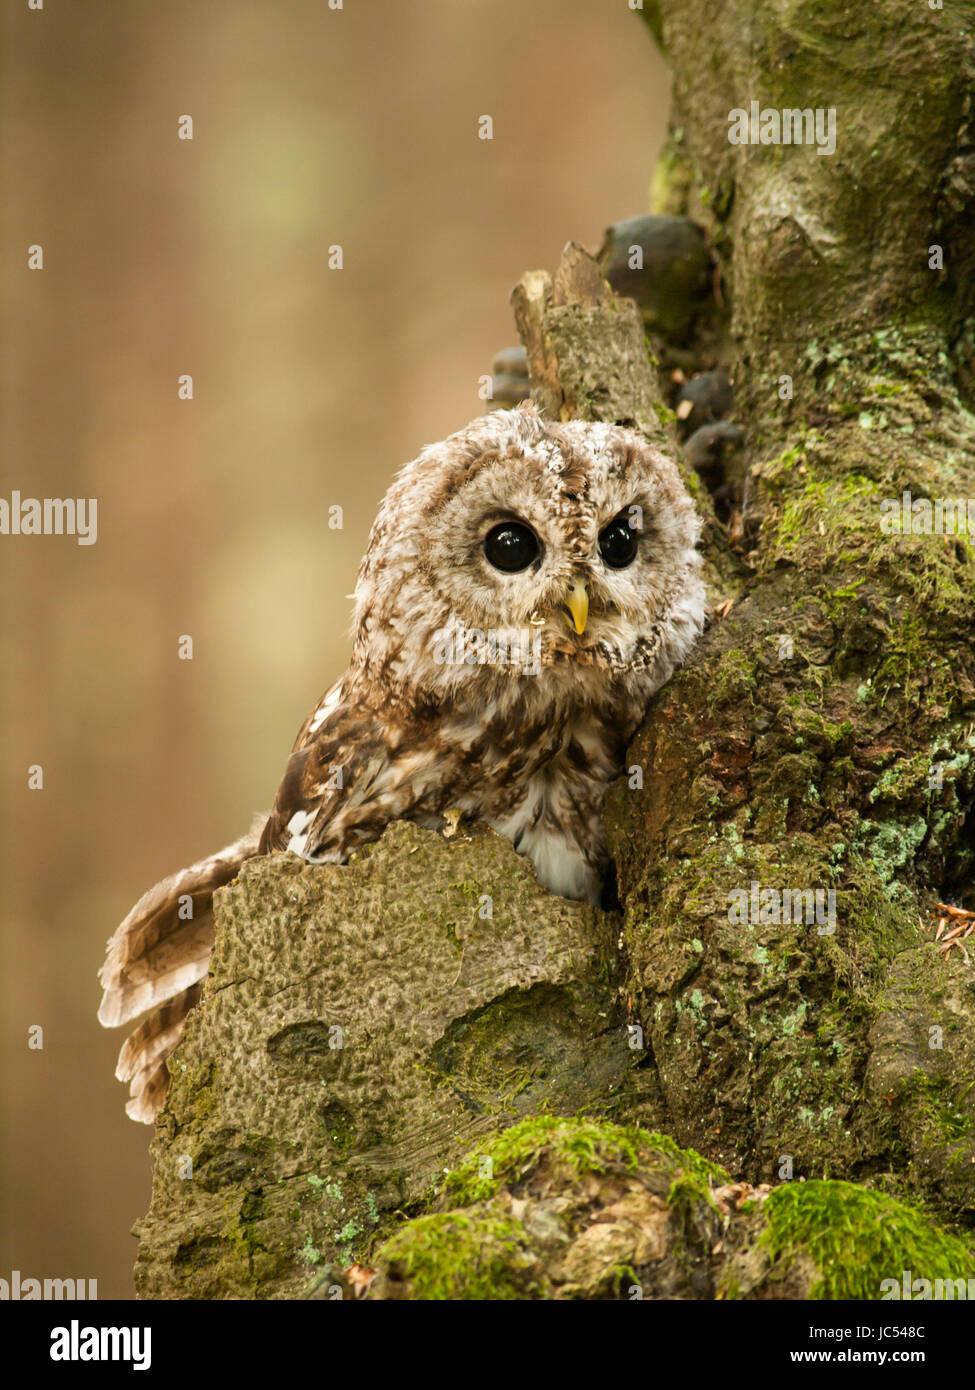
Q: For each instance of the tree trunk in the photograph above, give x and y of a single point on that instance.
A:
(818, 744)
(822, 738)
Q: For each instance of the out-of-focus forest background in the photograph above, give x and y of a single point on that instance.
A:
(210, 257)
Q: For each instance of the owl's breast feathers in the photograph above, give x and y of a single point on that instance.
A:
(533, 767)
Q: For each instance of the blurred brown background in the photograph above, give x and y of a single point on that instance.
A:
(164, 256)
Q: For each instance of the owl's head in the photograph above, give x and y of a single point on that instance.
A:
(567, 547)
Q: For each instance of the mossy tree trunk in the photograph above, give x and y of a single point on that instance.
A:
(821, 740)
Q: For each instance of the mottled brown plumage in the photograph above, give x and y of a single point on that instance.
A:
(506, 696)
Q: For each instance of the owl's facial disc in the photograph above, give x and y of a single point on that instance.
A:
(577, 536)
(515, 550)
(511, 547)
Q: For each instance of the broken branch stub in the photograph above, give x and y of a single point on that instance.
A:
(588, 355)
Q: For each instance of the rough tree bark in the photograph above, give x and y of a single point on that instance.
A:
(841, 757)
(365, 1027)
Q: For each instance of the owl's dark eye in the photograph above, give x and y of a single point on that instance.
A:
(618, 543)
(511, 547)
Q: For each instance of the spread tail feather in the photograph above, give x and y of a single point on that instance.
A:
(142, 1061)
(157, 960)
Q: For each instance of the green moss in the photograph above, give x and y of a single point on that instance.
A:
(817, 728)
(903, 779)
(770, 470)
(685, 1195)
(938, 1112)
(453, 1256)
(816, 525)
(581, 1146)
(202, 1084)
(857, 1238)
(733, 679)
(575, 1145)
(483, 1252)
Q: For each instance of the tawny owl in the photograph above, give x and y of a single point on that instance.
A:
(526, 588)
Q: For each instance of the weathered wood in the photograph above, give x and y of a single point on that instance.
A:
(588, 356)
(361, 1027)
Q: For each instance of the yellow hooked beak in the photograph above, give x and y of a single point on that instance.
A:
(577, 602)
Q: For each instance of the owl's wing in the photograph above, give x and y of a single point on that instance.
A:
(358, 763)
(157, 960)
(342, 786)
